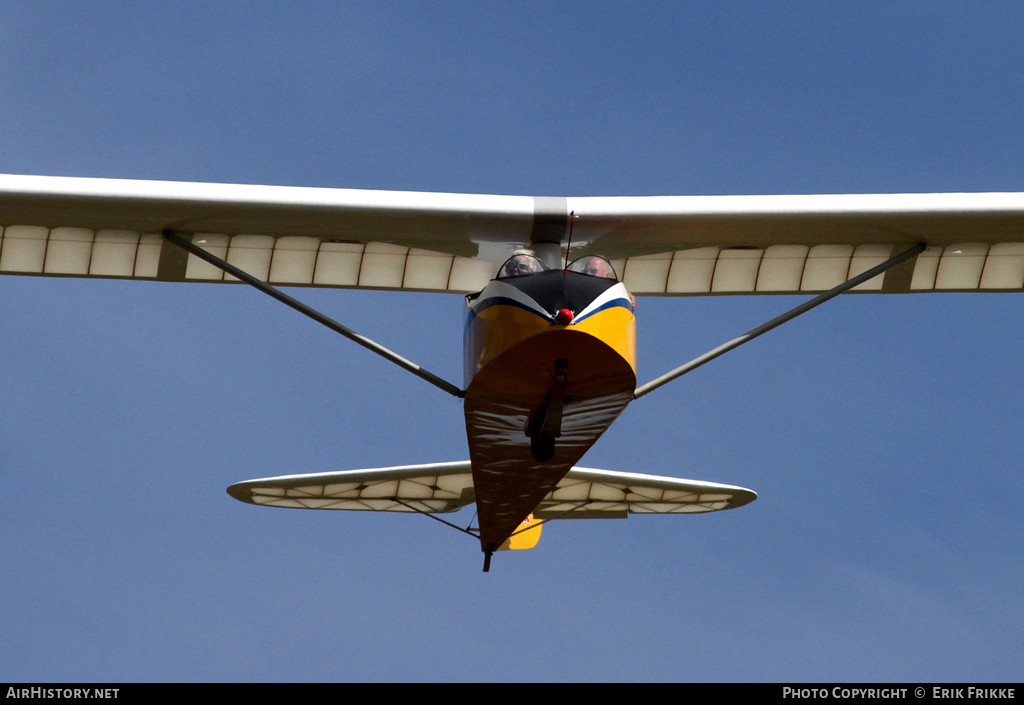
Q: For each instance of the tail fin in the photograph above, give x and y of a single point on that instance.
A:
(525, 536)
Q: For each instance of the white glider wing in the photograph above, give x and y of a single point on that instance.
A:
(660, 245)
(446, 487)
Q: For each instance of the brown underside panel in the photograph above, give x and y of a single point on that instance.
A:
(509, 391)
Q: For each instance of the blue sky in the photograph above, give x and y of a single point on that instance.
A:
(882, 433)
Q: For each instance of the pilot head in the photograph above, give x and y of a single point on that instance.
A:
(598, 267)
(521, 264)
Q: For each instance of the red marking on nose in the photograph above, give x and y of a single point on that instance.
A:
(564, 317)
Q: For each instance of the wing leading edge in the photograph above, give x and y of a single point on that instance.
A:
(661, 245)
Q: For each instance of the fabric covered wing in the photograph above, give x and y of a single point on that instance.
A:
(285, 235)
(433, 488)
(695, 245)
(586, 493)
(660, 245)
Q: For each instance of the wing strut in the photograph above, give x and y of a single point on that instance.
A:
(312, 313)
(778, 321)
(431, 516)
(487, 552)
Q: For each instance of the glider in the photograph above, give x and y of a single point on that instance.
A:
(550, 342)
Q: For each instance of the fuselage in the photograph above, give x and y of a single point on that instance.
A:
(550, 363)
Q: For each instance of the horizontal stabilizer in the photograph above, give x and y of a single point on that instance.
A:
(584, 493)
(432, 488)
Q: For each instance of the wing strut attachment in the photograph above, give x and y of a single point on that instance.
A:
(313, 313)
(431, 516)
(778, 321)
(488, 551)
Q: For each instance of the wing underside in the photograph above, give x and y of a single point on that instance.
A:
(679, 245)
(447, 487)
